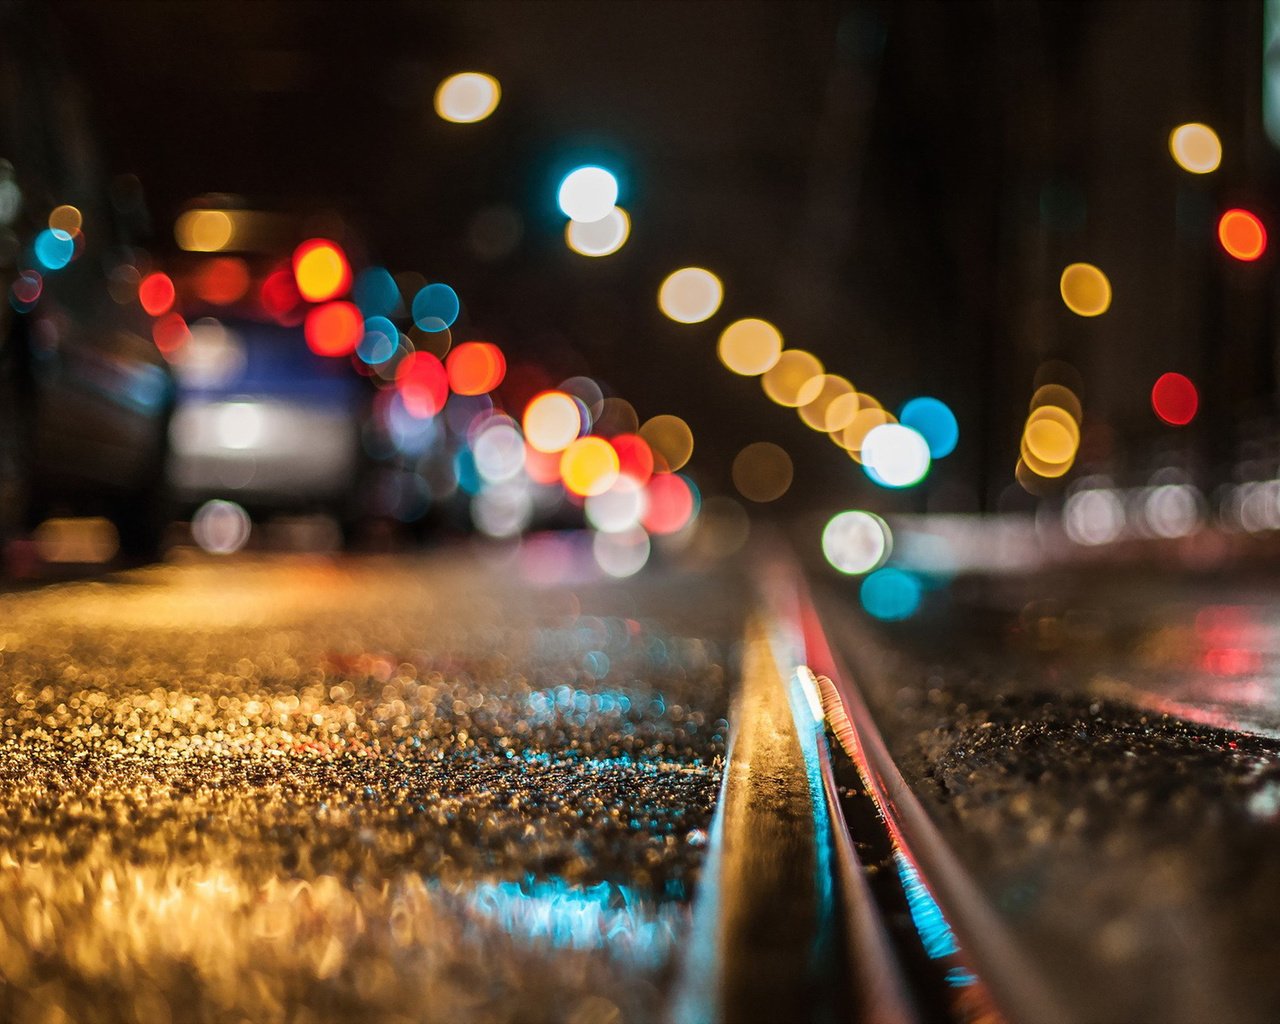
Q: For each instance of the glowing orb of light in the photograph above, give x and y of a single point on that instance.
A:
(618, 509)
(1242, 235)
(467, 97)
(475, 368)
(856, 542)
(795, 379)
(1175, 399)
(204, 230)
(1085, 289)
(320, 270)
(1195, 148)
(891, 594)
(601, 237)
(588, 194)
(670, 439)
(621, 554)
(935, 422)
(589, 466)
(895, 456)
(156, 294)
(220, 527)
(690, 295)
(436, 307)
(551, 421)
(54, 248)
(749, 347)
(423, 384)
(334, 329)
(762, 471)
(672, 503)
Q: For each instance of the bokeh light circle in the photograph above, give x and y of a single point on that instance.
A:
(794, 379)
(856, 542)
(891, 594)
(156, 294)
(589, 466)
(320, 270)
(378, 342)
(1085, 289)
(1195, 148)
(552, 420)
(1175, 399)
(467, 97)
(749, 347)
(436, 307)
(635, 457)
(220, 527)
(621, 554)
(475, 368)
(619, 508)
(762, 472)
(333, 329)
(817, 401)
(670, 503)
(588, 193)
(204, 230)
(601, 237)
(935, 422)
(895, 456)
(423, 384)
(1242, 235)
(54, 248)
(690, 295)
(669, 439)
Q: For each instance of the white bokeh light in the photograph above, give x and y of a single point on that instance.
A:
(621, 554)
(220, 527)
(618, 509)
(588, 194)
(895, 456)
(856, 542)
(600, 237)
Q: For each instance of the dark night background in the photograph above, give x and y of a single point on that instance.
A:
(897, 186)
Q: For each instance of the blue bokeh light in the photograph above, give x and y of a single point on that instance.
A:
(376, 292)
(935, 422)
(54, 248)
(436, 307)
(891, 594)
(380, 341)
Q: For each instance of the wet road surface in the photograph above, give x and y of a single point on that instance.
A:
(1101, 754)
(431, 788)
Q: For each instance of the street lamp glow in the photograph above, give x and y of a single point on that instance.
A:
(690, 295)
(895, 456)
(599, 237)
(467, 97)
(588, 194)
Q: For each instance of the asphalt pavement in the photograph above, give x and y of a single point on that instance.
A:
(459, 786)
(1100, 751)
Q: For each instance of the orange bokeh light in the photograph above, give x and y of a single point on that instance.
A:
(589, 466)
(334, 329)
(321, 270)
(223, 281)
(475, 368)
(1242, 235)
(156, 293)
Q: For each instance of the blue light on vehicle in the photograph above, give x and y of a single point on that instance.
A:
(54, 248)
(935, 422)
(891, 594)
(376, 292)
(436, 307)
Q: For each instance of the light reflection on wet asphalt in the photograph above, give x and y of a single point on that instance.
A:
(1102, 752)
(394, 789)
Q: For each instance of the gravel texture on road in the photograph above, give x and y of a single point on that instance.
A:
(1133, 852)
(426, 789)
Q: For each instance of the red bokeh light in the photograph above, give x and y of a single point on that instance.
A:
(280, 298)
(475, 368)
(670, 504)
(1174, 399)
(635, 457)
(156, 293)
(334, 329)
(423, 384)
(1242, 235)
(223, 281)
(542, 467)
(170, 333)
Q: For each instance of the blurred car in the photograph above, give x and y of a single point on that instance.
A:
(260, 419)
(84, 394)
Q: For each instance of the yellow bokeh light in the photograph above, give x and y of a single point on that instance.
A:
(1059, 395)
(750, 347)
(321, 272)
(762, 472)
(690, 295)
(830, 388)
(204, 230)
(551, 421)
(794, 379)
(65, 218)
(1060, 416)
(467, 97)
(1048, 440)
(1195, 148)
(841, 411)
(670, 438)
(1041, 468)
(599, 237)
(1034, 483)
(1085, 289)
(589, 466)
(864, 421)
